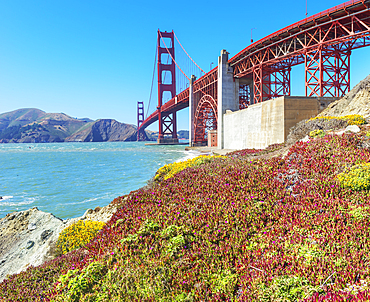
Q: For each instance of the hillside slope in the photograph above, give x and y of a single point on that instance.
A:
(36, 126)
(104, 130)
(20, 117)
(357, 101)
(231, 229)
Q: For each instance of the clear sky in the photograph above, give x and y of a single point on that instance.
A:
(95, 58)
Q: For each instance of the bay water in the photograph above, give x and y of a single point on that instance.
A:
(66, 179)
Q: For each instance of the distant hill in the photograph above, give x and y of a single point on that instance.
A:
(104, 130)
(32, 125)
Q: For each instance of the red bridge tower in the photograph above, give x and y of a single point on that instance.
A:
(140, 118)
(166, 83)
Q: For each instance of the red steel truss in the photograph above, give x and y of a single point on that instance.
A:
(270, 84)
(327, 72)
(140, 119)
(205, 102)
(278, 83)
(323, 42)
(205, 118)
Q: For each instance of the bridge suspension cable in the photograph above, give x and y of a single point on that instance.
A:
(164, 43)
(187, 53)
(178, 76)
(151, 87)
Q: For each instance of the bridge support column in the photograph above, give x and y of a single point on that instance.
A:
(167, 120)
(167, 128)
(140, 118)
(270, 83)
(191, 110)
(227, 94)
(328, 71)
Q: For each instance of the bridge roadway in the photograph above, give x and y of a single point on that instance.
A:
(323, 42)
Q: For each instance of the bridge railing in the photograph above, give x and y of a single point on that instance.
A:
(182, 97)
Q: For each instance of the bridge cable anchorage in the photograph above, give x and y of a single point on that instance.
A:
(187, 53)
(164, 43)
(151, 88)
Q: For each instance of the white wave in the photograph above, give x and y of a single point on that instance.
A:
(15, 204)
(6, 197)
(190, 154)
(83, 201)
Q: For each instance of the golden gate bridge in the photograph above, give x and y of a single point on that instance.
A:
(260, 72)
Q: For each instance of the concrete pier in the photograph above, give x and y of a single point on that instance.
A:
(227, 94)
(191, 110)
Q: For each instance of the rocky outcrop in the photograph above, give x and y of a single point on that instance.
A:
(357, 101)
(28, 237)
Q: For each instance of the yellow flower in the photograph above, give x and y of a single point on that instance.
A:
(169, 170)
(77, 235)
(352, 119)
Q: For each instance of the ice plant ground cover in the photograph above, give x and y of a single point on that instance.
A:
(169, 170)
(240, 228)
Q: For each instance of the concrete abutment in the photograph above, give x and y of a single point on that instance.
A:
(259, 125)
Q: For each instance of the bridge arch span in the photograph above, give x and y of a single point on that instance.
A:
(205, 118)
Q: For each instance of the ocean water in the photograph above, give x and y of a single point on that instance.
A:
(67, 178)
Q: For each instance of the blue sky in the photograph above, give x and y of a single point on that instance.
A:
(95, 58)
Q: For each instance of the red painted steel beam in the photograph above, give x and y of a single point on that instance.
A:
(287, 47)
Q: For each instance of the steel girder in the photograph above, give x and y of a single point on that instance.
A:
(168, 123)
(269, 84)
(314, 41)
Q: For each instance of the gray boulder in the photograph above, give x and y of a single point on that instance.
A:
(28, 238)
(353, 128)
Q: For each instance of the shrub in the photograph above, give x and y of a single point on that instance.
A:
(276, 229)
(357, 178)
(75, 283)
(353, 119)
(317, 133)
(77, 235)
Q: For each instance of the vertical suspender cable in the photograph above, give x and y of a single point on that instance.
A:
(151, 88)
(187, 53)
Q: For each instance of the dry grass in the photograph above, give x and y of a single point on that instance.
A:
(304, 127)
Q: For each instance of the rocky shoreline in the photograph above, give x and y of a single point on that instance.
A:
(28, 238)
